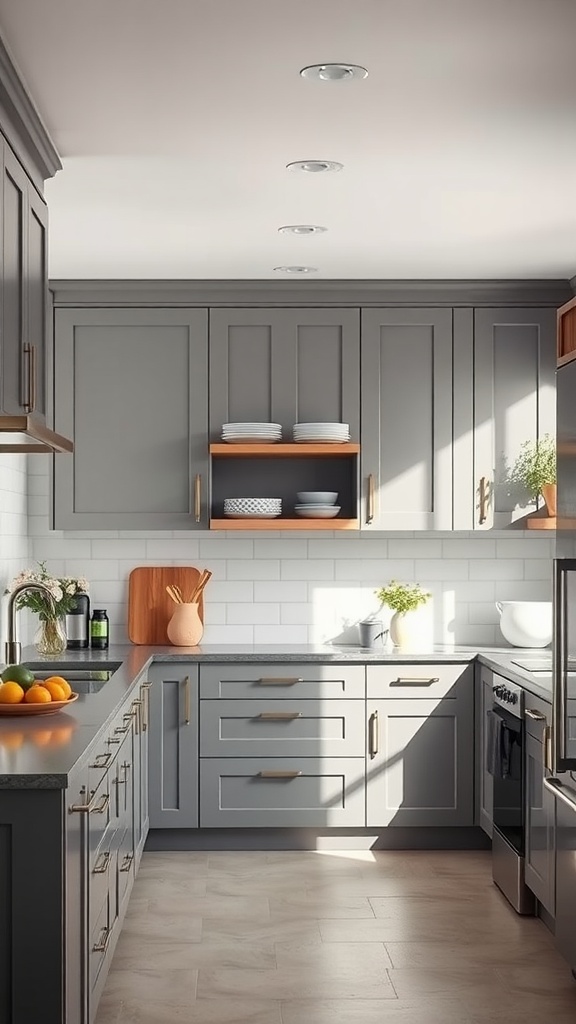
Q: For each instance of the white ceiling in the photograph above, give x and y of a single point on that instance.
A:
(174, 120)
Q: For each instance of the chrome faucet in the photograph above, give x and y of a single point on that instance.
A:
(12, 648)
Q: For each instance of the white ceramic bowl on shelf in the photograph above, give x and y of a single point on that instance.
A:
(317, 497)
(317, 511)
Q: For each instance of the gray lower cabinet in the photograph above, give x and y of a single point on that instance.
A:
(282, 792)
(420, 768)
(131, 388)
(504, 394)
(484, 782)
(284, 366)
(406, 431)
(173, 746)
(540, 806)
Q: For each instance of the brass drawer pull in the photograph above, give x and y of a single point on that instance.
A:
(102, 807)
(536, 715)
(113, 739)
(127, 862)
(483, 491)
(197, 498)
(102, 760)
(101, 866)
(279, 681)
(145, 691)
(278, 716)
(370, 503)
(102, 945)
(373, 734)
(187, 706)
(274, 773)
(123, 728)
(415, 681)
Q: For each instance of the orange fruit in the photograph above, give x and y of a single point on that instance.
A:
(37, 694)
(60, 681)
(56, 691)
(11, 693)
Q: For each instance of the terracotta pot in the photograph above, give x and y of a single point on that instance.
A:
(549, 494)
(185, 628)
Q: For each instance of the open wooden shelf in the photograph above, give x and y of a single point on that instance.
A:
(541, 523)
(284, 524)
(282, 450)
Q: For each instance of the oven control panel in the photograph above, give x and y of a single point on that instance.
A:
(508, 695)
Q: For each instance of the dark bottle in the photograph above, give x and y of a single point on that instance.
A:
(78, 623)
(99, 630)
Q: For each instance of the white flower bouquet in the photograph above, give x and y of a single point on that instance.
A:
(63, 590)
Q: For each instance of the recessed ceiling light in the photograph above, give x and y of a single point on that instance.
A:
(314, 166)
(334, 72)
(302, 229)
(296, 270)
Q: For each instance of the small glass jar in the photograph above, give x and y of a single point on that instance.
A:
(99, 630)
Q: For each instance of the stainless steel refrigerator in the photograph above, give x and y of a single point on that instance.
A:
(563, 779)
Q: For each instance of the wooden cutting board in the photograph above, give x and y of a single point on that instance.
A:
(149, 606)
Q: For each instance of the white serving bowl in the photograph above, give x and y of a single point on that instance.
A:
(317, 511)
(317, 497)
(526, 623)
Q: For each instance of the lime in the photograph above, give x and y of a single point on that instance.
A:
(18, 674)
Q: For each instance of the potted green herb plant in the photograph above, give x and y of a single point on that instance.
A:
(404, 599)
(535, 469)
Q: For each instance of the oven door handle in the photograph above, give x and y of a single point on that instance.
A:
(560, 790)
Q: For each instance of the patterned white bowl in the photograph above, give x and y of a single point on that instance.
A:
(253, 506)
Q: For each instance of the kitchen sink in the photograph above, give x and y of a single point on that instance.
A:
(84, 677)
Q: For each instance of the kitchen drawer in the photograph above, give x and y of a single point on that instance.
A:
(125, 867)
(282, 792)
(418, 680)
(100, 820)
(98, 941)
(100, 874)
(301, 681)
(293, 728)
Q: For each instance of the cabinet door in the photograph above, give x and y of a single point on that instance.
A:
(15, 369)
(284, 366)
(485, 788)
(540, 828)
(37, 295)
(173, 747)
(421, 762)
(514, 400)
(406, 431)
(131, 389)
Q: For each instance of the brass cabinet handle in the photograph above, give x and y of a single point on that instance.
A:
(137, 709)
(101, 865)
(483, 489)
(197, 497)
(102, 945)
(102, 760)
(370, 502)
(123, 728)
(557, 787)
(113, 739)
(536, 715)
(90, 807)
(373, 731)
(27, 377)
(278, 716)
(187, 700)
(274, 773)
(102, 806)
(127, 862)
(279, 681)
(32, 378)
(415, 681)
(145, 691)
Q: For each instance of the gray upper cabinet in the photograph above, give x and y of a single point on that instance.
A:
(505, 361)
(284, 366)
(406, 430)
(131, 388)
(24, 291)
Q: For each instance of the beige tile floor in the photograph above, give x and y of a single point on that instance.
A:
(318, 938)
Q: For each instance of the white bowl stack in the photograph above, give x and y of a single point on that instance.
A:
(252, 508)
(321, 433)
(317, 504)
(251, 433)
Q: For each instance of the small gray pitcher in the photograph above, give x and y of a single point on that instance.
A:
(371, 630)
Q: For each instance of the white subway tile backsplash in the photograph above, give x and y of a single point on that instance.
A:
(297, 614)
(215, 547)
(118, 548)
(310, 569)
(256, 614)
(538, 569)
(62, 547)
(282, 548)
(228, 635)
(377, 571)
(502, 569)
(483, 613)
(168, 549)
(463, 549)
(229, 592)
(281, 590)
(343, 546)
(415, 548)
(525, 547)
(441, 569)
(280, 634)
(523, 590)
(254, 569)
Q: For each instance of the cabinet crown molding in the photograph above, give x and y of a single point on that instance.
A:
(238, 293)
(22, 124)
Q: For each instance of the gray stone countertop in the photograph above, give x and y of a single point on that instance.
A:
(40, 751)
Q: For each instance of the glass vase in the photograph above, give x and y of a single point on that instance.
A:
(50, 637)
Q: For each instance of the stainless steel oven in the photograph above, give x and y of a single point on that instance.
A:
(505, 738)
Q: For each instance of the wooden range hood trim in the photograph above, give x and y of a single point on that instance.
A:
(42, 439)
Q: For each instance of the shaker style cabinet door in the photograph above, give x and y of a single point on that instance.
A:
(505, 394)
(131, 389)
(484, 781)
(284, 366)
(173, 746)
(406, 429)
(23, 269)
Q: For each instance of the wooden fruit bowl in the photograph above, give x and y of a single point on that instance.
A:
(37, 709)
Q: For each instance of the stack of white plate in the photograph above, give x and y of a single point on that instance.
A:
(258, 433)
(317, 505)
(252, 508)
(321, 433)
